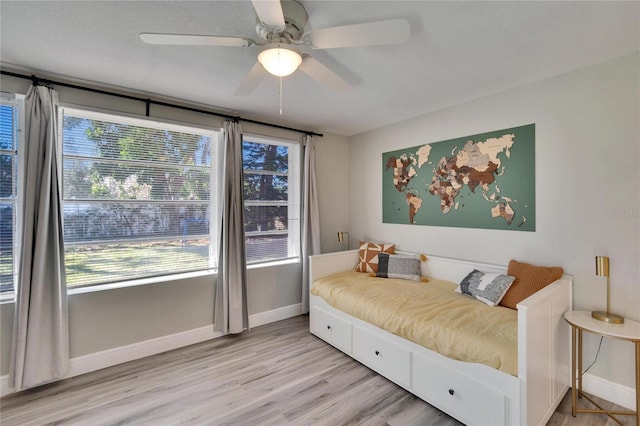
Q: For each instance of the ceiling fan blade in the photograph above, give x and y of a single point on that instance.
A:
(195, 40)
(323, 75)
(270, 13)
(394, 31)
(251, 80)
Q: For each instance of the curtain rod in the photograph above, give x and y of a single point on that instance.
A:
(37, 80)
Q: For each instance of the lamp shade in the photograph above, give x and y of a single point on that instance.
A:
(602, 266)
(341, 235)
(280, 61)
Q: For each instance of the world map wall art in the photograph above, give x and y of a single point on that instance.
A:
(480, 181)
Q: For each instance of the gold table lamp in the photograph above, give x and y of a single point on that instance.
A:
(602, 270)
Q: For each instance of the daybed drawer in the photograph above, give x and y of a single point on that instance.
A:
(332, 329)
(472, 402)
(382, 355)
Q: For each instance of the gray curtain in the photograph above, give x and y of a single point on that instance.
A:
(230, 310)
(310, 217)
(40, 340)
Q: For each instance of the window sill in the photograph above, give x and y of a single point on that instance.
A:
(274, 263)
(10, 297)
(139, 282)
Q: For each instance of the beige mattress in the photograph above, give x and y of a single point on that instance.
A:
(430, 314)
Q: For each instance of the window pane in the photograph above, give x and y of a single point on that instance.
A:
(263, 248)
(271, 207)
(89, 179)
(7, 127)
(85, 222)
(97, 264)
(6, 176)
(261, 156)
(8, 192)
(265, 218)
(7, 224)
(266, 187)
(137, 198)
(117, 140)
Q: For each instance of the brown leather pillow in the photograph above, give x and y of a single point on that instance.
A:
(529, 279)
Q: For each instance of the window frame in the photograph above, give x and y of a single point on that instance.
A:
(215, 171)
(293, 203)
(17, 101)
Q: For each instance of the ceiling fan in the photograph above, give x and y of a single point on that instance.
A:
(281, 28)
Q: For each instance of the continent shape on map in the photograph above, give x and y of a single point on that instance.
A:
(475, 164)
(414, 202)
(404, 169)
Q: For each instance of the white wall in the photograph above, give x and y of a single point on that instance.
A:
(332, 167)
(587, 188)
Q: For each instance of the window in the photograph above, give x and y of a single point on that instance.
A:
(139, 197)
(271, 199)
(10, 125)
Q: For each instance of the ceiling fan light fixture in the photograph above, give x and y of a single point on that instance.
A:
(280, 61)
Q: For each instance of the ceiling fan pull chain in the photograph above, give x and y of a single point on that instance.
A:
(280, 95)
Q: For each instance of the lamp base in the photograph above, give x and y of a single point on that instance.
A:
(607, 317)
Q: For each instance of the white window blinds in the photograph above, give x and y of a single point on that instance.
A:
(9, 140)
(139, 197)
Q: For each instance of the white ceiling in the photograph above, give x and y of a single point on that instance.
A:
(458, 51)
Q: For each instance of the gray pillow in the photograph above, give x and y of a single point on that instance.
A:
(486, 287)
(399, 266)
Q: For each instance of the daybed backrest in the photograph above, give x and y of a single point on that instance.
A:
(454, 270)
(437, 267)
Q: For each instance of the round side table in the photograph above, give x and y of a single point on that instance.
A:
(581, 321)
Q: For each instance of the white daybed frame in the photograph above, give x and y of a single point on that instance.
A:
(472, 393)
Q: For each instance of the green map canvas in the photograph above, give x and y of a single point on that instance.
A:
(480, 181)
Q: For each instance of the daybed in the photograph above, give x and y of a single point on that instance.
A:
(522, 392)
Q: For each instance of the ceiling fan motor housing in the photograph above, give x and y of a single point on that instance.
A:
(295, 18)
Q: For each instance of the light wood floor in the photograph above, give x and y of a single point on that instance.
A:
(277, 374)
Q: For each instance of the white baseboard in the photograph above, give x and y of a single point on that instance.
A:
(610, 391)
(99, 360)
(274, 315)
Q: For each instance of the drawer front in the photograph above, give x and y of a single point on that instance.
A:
(382, 355)
(332, 329)
(467, 399)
